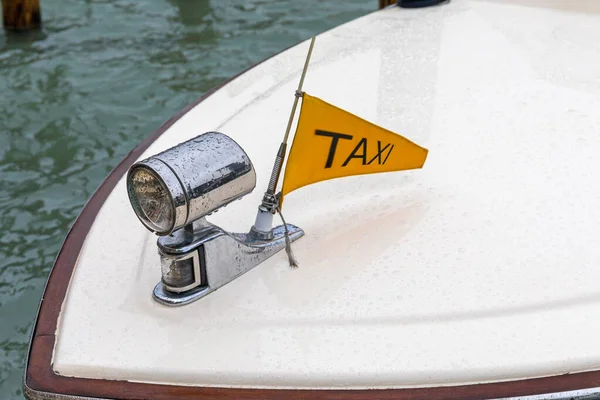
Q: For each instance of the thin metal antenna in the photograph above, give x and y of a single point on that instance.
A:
(270, 202)
(276, 172)
(298, 93)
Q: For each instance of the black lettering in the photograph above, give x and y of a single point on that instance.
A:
(361, 145)
(379, 153)
(335, 137)
(386, 157)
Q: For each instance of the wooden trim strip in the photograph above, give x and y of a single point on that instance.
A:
(39, 376)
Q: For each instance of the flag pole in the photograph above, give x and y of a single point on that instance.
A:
(270, 202)
(298, 93)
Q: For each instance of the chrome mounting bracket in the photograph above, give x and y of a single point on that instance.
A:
(201, 257)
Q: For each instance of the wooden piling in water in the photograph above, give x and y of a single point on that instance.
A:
(385, 3)
(21, 14)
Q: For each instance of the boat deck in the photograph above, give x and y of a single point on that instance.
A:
(481, 267)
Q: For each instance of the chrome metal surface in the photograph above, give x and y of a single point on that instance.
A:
(201, 175)
(168, 298)
(183, 241)
(277, 168)
(178, 199)
(270, 201)
(258, 234)
(177, 275)
(583, 394)
(299, 89)
(226, 256)
(33, 394)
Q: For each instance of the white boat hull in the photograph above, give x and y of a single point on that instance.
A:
(479, 269)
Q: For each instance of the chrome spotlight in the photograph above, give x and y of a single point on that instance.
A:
(183, 184)
(173, 191)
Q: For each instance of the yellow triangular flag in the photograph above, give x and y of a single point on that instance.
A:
(332, 143)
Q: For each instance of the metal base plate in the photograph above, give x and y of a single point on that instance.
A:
(247, 251)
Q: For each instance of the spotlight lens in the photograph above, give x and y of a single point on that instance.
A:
(151, 200)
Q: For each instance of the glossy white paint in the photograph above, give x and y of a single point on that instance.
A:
(483, 266)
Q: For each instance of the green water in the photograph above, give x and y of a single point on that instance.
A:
(76, 97)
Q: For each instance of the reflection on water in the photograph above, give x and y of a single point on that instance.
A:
(76, 97)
